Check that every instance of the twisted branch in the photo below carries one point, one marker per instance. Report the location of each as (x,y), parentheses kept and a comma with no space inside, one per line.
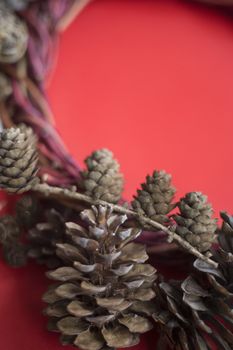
(71,196)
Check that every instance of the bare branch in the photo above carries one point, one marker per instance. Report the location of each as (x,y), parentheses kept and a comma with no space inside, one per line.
(66,194)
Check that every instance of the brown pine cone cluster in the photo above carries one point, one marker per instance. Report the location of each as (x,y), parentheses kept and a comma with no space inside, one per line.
(155,198)
(197,313)
(102,179)
(18,159)
(195,222)
(103,295)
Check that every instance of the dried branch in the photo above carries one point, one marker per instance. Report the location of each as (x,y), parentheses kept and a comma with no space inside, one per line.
(4,115)
(69,195)
(70,15)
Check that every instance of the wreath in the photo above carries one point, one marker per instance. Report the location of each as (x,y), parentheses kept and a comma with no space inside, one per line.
(96,245)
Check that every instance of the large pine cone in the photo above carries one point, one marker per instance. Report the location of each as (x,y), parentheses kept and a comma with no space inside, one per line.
(198,313)
(18,159)
(102,179)
(105,290)
(195,222)
(14,36)
(155,198)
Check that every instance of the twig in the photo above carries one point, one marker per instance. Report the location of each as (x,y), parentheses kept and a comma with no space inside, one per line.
(75,9)
(161,248)
(16,73)
(4,115)
(66,194)
(40,100)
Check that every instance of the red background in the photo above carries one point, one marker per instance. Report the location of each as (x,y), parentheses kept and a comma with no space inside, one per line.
(152,81)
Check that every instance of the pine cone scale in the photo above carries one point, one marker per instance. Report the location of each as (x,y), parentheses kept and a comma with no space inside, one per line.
(120,337)
(89,340)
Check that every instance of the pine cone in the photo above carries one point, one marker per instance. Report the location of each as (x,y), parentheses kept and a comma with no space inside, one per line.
(193,315)
(102,179)
(9,229)
(18,159)
(195,222)
(44,237)
(28,211)
(227,224)
(198,313)
(14,36)
(15,254)
(155,198)
(104,292)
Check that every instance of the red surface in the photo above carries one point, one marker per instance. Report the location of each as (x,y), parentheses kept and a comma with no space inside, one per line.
(152,81)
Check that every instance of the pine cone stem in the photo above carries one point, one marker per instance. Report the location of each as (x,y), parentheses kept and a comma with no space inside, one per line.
(162,248)
(61,193)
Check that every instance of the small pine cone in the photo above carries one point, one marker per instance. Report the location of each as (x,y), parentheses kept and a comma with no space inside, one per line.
(18,159)
(102,179)
(104,292)
(44,237)
(195,222)
(15,254)
(9,229)
(28,211)
(155,198)
(14,36)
